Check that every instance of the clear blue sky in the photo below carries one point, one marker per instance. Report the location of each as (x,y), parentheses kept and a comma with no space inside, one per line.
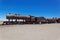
(46,8)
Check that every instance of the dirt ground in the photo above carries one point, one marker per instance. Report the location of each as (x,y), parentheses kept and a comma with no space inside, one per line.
(30,32)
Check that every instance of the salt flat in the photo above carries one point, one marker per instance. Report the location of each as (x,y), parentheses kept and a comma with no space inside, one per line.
(30,32)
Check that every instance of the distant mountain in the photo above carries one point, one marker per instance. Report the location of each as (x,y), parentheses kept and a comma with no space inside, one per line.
(1,22)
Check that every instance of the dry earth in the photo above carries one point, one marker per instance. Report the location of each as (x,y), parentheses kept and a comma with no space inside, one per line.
(30,32)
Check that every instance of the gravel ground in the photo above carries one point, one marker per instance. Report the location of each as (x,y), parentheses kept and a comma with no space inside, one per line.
(30,32)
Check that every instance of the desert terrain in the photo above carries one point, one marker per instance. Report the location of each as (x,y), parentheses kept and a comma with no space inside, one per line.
(30,32)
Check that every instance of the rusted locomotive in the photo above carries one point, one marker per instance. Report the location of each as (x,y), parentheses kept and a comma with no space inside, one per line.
(25,19)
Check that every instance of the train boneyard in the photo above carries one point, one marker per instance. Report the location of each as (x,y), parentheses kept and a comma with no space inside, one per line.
(18,19)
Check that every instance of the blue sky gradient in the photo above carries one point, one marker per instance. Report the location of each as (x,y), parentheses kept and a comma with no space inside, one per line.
(46,8)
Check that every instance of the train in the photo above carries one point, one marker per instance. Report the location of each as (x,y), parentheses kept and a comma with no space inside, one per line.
(19,19)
